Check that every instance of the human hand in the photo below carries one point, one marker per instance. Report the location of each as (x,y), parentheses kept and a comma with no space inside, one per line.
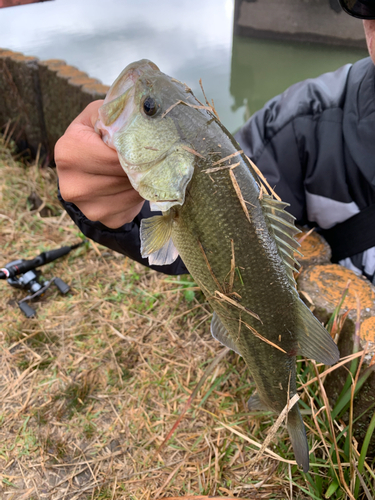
(90,175)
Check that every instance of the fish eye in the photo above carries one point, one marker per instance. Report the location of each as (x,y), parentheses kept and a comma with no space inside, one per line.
(150,106)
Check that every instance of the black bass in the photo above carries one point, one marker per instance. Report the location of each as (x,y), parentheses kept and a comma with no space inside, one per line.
(236,241)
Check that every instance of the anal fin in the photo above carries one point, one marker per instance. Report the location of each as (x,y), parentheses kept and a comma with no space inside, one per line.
(314,341)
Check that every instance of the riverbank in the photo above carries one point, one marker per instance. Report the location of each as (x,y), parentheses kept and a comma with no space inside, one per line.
(298,20)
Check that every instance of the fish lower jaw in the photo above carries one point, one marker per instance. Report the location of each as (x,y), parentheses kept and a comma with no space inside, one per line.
(164,205)
(144,167)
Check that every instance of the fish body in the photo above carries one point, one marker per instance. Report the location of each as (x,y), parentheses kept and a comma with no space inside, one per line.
(236,241)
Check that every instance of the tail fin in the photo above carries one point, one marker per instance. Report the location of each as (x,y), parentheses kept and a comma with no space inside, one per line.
(298,438)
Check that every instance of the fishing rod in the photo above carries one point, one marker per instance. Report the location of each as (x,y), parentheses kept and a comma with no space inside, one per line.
(22,274)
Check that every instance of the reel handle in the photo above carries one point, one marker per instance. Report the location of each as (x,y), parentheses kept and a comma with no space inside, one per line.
(28,311)
(61,285)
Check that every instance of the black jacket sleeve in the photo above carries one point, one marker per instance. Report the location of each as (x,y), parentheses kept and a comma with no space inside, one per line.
(124,240)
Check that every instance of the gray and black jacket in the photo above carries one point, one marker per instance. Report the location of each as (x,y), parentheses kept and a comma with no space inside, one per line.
(315,143)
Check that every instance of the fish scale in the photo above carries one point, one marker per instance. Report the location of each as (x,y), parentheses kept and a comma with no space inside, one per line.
(212,215)
(235,240)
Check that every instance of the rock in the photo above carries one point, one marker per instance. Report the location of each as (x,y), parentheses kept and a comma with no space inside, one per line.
(326,283)
(314,248)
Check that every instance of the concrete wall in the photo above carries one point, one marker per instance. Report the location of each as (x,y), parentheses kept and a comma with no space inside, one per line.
(14,3)
(39,99)
(305,20)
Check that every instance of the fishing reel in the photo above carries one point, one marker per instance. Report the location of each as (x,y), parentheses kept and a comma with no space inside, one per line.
(23,274)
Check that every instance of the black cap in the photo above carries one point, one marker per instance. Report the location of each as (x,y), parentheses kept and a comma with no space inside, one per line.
(361,9)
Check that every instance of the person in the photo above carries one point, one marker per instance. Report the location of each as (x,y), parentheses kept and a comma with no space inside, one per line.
(315,143)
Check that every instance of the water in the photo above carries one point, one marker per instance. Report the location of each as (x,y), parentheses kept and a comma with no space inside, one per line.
(187,39)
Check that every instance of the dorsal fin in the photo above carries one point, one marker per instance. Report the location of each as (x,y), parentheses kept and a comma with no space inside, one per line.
(277,208)
(284,230)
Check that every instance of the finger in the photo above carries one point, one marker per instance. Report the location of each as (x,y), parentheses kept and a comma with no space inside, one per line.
(113,211)
(83,149)
(76,187)
(117,221)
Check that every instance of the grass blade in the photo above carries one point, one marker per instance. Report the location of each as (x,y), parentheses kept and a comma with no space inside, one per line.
(330,421)
(362,458)
(343,405)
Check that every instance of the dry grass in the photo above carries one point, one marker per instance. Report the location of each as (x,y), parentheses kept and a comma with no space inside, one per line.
(92,385)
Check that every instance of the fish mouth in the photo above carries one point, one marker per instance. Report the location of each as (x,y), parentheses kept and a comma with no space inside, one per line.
(128,77)
(116,109)
(166,201)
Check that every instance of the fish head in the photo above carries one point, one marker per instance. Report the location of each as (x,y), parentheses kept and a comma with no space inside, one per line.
(135,121)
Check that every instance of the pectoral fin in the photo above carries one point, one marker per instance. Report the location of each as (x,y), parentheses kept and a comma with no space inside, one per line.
(156,243)
(219,332)
(314,341)
(166,255)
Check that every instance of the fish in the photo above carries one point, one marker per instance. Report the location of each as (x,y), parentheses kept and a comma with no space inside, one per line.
(235,237)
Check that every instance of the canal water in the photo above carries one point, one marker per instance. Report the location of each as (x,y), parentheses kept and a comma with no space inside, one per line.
(187,39)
